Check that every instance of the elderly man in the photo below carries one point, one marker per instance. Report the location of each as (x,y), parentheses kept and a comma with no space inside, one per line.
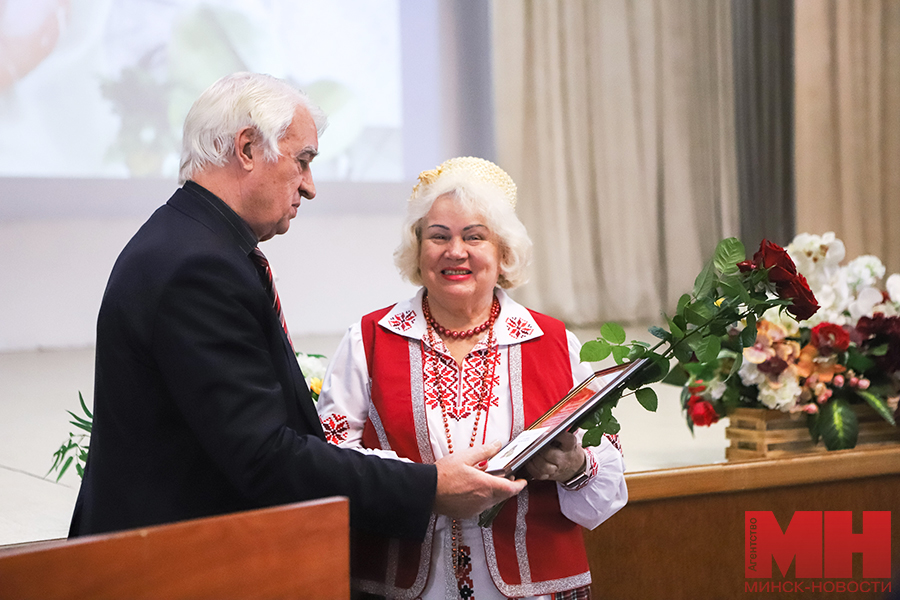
(199,405)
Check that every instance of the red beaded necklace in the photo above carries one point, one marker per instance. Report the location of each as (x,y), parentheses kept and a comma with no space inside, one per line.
(460,335)
(487,380)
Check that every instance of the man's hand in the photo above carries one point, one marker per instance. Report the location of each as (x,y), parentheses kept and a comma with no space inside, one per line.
(559,461)
(464,490)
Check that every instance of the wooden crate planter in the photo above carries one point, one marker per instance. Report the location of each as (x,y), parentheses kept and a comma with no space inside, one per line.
(764,433)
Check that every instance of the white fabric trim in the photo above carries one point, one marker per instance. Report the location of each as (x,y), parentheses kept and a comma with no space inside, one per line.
(514,323)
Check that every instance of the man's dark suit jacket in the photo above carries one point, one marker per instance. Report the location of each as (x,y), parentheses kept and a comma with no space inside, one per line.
(199,405)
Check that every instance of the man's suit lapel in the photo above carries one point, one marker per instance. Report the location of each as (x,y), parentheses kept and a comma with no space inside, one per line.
(298,401)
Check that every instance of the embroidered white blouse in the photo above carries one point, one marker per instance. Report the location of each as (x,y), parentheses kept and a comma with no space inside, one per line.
(344,407)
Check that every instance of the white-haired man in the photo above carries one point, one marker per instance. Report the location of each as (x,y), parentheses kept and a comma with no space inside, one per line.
(199,405)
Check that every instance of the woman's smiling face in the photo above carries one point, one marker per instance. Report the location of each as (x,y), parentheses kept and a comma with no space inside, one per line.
(459,256)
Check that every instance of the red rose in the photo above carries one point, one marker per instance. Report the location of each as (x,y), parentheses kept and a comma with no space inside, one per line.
(702,413)
(777,260)
(829,338)
(804,301)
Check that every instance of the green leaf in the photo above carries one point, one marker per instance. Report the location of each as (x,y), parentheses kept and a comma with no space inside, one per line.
(700,312)
(878,404)
(647,398)
(812,423)
(84,406)
(683,353)
(637,351)
(659,332)
(878,350)
(748,334)
(620,353)
(677,376)
(705,281)
(595,351)
(86,427)
(656,371)
(706,348)
(735,366)
(732,286)
(838,425)
(857,361)
(592,437)
(611,426)
(683,301)
(677,332)
(729,252)
(65,466)
(613,332)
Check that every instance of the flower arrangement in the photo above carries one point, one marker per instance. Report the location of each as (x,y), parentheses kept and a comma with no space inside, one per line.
(820,365)
(752,333)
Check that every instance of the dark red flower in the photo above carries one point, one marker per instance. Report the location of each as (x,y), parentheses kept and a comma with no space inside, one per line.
(879,330)
(804,301)
(702,412)
(746,265)
(774,366)
(777,260)
(829,339)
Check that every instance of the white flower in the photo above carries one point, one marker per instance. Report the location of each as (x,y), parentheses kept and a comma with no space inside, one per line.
(865,303)
(864,271)
(816,257)
(312,365)
(892,285)
(784,395)
(784,319)
(750,375)
(834,297)
(717,389)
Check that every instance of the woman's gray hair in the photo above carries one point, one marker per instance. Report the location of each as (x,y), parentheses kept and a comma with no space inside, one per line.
(471,192)
(265,103)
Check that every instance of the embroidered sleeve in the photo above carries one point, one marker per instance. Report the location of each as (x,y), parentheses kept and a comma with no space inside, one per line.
(345,398)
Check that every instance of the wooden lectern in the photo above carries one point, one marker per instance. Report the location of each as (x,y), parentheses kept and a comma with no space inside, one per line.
(294,551)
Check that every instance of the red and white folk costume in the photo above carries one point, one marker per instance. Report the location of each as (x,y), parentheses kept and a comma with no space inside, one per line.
(534,547)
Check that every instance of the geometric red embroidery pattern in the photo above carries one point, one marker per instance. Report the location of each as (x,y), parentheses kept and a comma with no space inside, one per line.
(403,321)
(591,469)
(614,440)
(582,593)
(464,582)
(518,328)
(336,429)
(462,386)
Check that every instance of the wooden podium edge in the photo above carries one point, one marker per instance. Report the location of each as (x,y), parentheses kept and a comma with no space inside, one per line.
(837,465)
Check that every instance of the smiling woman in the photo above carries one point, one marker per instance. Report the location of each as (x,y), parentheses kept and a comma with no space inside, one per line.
(459,365)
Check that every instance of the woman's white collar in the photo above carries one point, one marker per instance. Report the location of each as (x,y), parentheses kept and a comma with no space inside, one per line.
(514,324)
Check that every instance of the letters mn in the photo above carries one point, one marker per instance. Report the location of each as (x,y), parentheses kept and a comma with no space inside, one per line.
(821,543)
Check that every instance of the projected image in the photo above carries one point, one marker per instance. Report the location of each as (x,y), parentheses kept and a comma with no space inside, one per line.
(100,88)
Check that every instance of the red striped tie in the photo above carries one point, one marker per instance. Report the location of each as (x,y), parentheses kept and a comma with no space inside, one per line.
(265,271)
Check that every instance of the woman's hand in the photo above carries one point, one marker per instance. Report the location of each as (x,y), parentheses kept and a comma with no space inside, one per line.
(559,461)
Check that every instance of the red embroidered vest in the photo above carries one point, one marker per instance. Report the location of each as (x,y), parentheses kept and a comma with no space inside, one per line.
(549,556)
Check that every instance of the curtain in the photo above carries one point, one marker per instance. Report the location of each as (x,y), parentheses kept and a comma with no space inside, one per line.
(616,120)
(847,120)
(763,33)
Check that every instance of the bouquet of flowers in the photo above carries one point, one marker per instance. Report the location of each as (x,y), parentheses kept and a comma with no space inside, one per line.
(846,353)
(752,334)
